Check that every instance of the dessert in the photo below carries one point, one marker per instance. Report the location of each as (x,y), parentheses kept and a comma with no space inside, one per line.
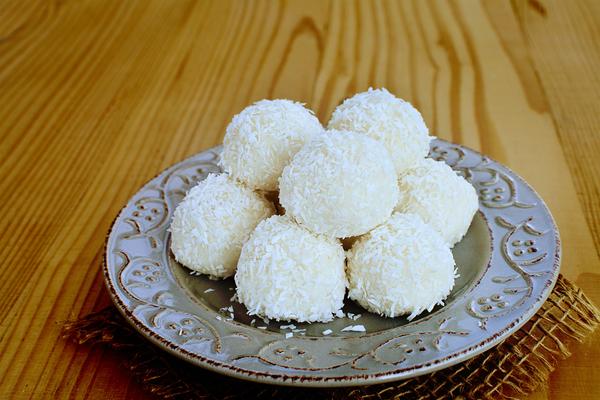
(287,272)
(212,223)
(440,197)
(388,119)
(341,184)
(365,186)
(401,267)
(261,140)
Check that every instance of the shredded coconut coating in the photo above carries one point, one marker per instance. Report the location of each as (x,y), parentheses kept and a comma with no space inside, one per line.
(388,119)
(440,197)
(212,223)
(401,267)
(261,140)
(341,184)
(286,272)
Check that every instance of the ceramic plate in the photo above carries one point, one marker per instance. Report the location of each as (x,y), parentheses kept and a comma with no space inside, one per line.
(508,263)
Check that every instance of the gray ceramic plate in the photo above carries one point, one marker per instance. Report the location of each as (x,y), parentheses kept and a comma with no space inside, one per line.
(508,263)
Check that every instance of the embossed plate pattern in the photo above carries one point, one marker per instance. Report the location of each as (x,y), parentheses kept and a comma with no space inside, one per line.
(508,262)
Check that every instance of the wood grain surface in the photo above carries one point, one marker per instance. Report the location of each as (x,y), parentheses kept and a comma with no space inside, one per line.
(98,96)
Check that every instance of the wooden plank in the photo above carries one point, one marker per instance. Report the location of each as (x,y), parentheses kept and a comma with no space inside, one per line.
(559,39)
(562,40)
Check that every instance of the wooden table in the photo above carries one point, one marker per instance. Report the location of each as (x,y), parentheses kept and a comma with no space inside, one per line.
(97,96)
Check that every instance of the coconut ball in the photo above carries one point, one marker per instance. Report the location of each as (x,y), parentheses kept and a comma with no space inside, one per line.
(262,139)
(440,197)
(388,119)
(401,267)
(341,184)
(212,223)
(287,272)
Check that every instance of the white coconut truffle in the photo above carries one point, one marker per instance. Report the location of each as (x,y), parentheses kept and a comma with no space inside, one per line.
(212,223)
(388,119)
(286,272)
(401,267)
(341,184)
(440,197)
(261,140)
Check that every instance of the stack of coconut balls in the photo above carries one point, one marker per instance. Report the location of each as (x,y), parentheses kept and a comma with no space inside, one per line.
(365,181)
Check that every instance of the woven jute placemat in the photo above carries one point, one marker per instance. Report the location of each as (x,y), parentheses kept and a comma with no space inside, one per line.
(511,370)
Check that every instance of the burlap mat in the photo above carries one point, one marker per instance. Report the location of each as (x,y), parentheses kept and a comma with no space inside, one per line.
(511,370)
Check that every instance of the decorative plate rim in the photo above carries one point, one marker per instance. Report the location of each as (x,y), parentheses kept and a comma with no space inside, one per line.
(298,379)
